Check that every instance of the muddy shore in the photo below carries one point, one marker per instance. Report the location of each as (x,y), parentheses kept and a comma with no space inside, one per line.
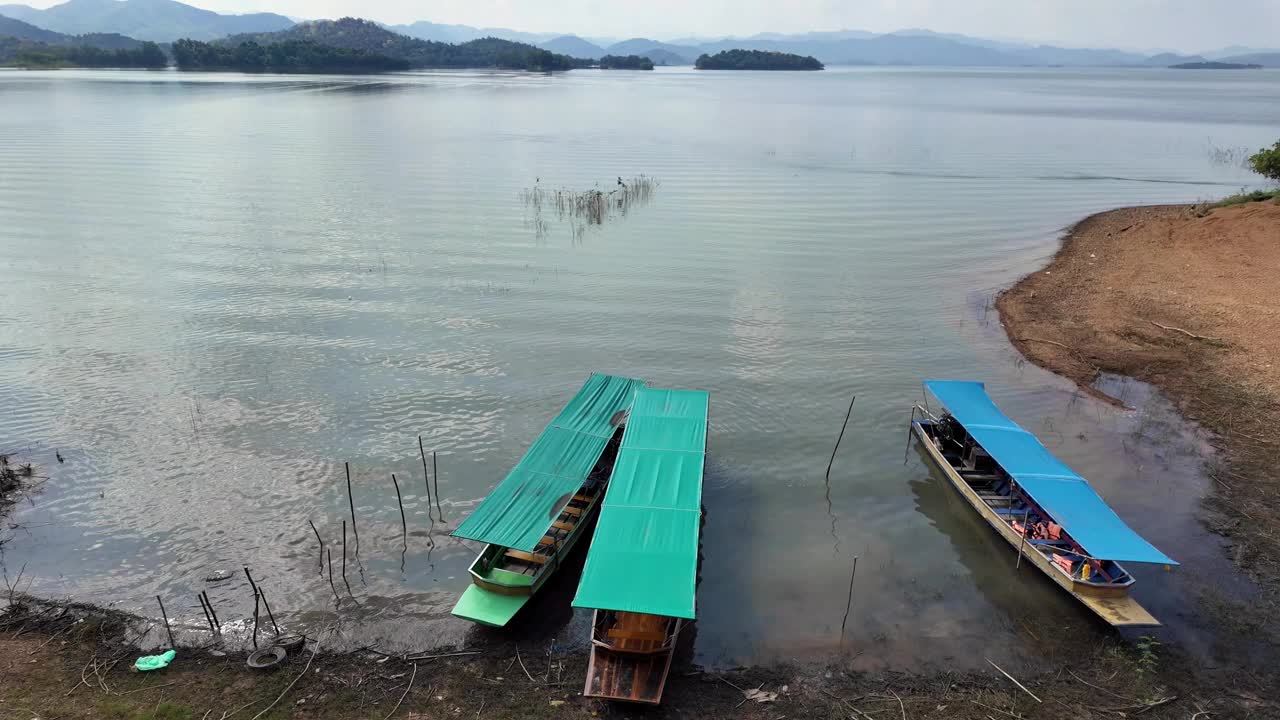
(1177,296)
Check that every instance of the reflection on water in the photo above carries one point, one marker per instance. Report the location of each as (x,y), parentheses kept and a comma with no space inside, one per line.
(220,288)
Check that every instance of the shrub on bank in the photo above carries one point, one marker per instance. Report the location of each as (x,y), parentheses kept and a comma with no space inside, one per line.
(1267,162)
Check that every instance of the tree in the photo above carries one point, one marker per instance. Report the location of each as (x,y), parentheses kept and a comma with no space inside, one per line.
(1267,162)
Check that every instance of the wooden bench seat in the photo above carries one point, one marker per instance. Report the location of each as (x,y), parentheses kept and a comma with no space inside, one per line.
(527,557)
(568,527)
(574,511)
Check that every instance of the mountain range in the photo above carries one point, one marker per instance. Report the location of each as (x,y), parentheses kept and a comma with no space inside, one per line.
(157,20)
(168,20)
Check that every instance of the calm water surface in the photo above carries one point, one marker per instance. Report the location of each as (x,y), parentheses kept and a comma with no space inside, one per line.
(219,288)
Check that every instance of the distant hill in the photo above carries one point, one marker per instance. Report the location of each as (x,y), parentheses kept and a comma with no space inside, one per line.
(573,46)
(666,57)
(1167,59)
(645,47)
(1267,60)
(28,32)
(438,32)
(158,20)
(370,37)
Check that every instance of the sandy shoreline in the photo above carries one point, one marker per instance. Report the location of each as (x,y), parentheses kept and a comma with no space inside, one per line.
(1184,298)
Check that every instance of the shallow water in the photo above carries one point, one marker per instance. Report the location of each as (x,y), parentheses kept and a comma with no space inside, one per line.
(219,288)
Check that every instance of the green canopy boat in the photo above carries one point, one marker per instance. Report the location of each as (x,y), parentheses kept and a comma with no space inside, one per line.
(533,518)
(641,571)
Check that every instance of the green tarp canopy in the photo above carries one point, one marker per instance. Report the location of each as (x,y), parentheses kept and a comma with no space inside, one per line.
(644,556)
(520,510)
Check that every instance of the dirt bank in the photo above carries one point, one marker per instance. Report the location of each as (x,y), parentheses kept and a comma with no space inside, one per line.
(66,662)
(1188,299)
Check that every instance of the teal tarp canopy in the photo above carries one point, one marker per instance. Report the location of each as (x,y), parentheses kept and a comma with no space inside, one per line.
(520,510)
(1062,492)
(644,556)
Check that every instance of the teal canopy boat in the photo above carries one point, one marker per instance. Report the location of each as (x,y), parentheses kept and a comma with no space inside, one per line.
(536,515)
(1049,512)
(641,571)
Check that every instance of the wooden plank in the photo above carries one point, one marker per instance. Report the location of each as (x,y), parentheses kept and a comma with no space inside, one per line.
(527,557)
(574,511)
(564,525)
(583,498)
(621,634)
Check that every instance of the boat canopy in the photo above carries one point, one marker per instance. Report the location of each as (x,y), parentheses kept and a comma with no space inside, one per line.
(644,557)
(1062,492)
(520,510)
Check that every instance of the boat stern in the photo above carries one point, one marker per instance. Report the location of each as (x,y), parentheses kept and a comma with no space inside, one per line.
(488,608)
(1120,611)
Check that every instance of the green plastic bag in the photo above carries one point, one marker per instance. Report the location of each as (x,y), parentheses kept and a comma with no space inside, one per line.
(154,662)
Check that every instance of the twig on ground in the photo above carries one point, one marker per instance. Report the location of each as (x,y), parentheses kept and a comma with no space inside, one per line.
(1002,712)
(445,655)
(413,675)
(900,705)
(1095,687)
(1139,708)
(1015,681)
(1184,332)
(522,667)
(152,687)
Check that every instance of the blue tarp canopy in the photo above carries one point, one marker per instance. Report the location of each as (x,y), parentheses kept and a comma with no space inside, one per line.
(1062,492)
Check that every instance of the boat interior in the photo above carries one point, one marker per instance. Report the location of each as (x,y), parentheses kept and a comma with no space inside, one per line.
(630,656)
(636,633)
(1016,509)
(528,566)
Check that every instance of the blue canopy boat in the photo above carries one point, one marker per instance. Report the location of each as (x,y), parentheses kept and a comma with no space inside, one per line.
(1039,505)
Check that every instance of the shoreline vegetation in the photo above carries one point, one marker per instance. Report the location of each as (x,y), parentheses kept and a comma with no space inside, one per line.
(629,62)
(756,60)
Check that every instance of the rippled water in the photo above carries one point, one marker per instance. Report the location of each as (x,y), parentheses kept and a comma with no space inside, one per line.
(219,288)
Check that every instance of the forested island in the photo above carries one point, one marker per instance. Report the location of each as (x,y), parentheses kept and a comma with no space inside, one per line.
(1215,66)
(756,60)
(30,54)
(368,37)
(629,62)
(300,56)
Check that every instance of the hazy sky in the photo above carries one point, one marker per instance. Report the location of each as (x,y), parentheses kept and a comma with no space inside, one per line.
(1181,24)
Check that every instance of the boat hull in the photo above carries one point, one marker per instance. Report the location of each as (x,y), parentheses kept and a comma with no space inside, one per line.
(495,603)
(633,677)
(1111,603)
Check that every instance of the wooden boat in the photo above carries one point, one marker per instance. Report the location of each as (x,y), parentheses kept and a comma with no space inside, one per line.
(640,577)
(533,519)
(1000,469)
(630,655)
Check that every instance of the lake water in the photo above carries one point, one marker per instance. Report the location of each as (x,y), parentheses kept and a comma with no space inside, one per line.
(218,288)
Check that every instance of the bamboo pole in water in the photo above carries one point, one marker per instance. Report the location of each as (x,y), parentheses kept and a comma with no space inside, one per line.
(167,629)
(352,504)
(435,474)
(317,532)
(426,478)
(404,527)
(841,437)
(209,601)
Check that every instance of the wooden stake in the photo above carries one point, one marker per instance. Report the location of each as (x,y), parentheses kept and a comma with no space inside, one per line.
(270,616)
(344,559)
(207,617)
(404,527)
(331,585)
(209,601)
(352,504)
(848,602)
(255,619)
(317,532)
(163,614)
(435,476)
(838,439)
(426,478)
